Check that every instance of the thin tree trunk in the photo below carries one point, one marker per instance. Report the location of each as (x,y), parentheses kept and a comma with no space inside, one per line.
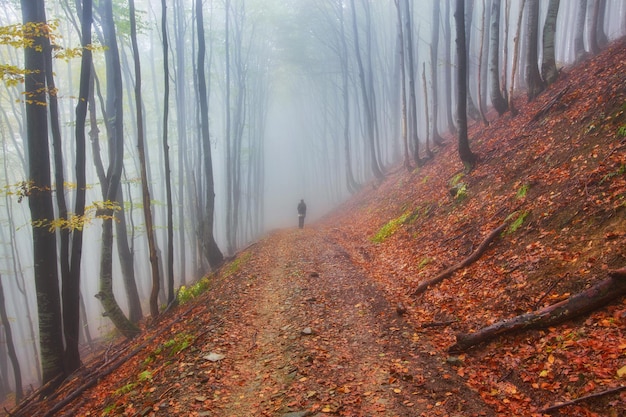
(19,393)
(549,72)
(412,99)
(465,153)
(367,104)
(211,250)
(111,187)
(579,38)
(534,83)
(405,144)
(166,156)
(494,60)
(147,210)
(40,202)
(515,58)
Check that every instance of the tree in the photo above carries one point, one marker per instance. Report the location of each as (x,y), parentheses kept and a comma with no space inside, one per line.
(39,190)
(166,155)
(597,37)
(515,60)
(407,161)
(147,210)
(11,346)
(367,100)
(351,183)
(534,83)
(411,73)
(579,39)
(111,189)
(465,153)
(71,282)
(434,59)
(549,72)
(210,249)
(498,101)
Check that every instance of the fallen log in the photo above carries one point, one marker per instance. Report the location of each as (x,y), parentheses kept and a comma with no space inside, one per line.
(584,302)
(465,262)
(555,407)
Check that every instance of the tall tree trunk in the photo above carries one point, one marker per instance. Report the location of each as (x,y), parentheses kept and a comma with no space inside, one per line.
(11,346)
(465,153)
(71,283)
(367,103)
(429,153)
(516,43)
(68,284)
(498,101)
(405,144)
(351,183)
(549,72)
(210,249)
(166,156)
(434,59)
(411,72)
(449,77)
(579,37)
(147,205)
(534,82)
(111,187)
(481,48)
(181,128)
(38,190)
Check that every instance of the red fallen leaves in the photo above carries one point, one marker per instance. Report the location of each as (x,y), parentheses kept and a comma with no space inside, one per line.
(574,233)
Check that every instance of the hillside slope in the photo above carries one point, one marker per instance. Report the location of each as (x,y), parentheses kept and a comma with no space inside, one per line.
(560,167)
(305,322)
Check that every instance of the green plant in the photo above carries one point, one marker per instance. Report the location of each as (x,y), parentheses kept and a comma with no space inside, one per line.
(108,409)
(187,293)
(522,191)
(235,265)
(456,179)
(461,191)
(620,171)
(126,388)
(518,222)
(424,262)
(145,376)
(391,227)
(621,130)
(179,343)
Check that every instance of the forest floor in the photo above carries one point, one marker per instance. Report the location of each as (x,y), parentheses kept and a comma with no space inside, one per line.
(323,321)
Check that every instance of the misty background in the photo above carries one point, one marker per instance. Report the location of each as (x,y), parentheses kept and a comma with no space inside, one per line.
(291,74)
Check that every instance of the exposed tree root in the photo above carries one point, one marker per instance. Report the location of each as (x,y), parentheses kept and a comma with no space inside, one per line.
(474,256)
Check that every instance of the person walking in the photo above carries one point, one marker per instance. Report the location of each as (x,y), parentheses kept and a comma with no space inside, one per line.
(301,213)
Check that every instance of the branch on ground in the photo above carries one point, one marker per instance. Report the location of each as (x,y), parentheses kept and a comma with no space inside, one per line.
(584,302)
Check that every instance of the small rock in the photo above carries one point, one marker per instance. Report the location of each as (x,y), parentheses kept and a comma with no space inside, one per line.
(307,331)
(214,357)
(314,274)
(400,309)
(454,361)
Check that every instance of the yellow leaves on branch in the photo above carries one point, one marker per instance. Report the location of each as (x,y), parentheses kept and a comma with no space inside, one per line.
(100,209)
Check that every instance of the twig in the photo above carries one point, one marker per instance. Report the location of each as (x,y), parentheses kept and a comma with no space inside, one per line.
(545,294)
(581,399)
(470,259)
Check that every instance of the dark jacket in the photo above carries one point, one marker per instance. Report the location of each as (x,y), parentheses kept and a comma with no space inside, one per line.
(302,208)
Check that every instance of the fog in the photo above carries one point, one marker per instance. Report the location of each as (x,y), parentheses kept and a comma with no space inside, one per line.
(284,112)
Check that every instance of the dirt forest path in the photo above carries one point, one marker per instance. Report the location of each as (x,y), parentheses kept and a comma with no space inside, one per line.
(306,333)
(290,327)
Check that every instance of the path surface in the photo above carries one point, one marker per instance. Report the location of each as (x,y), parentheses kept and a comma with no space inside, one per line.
(290,328)
(305,333)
